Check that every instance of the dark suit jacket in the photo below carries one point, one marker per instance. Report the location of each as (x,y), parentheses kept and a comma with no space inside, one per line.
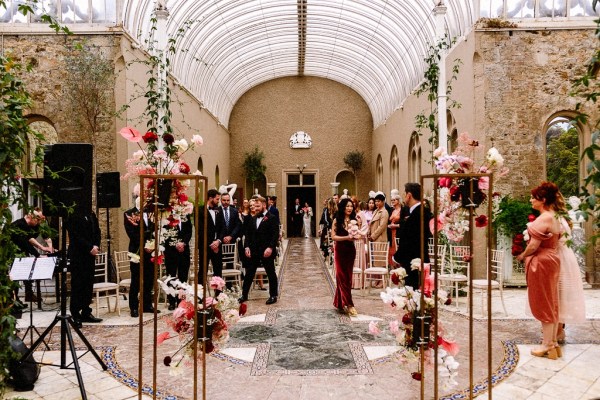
(84,234)
(266,235)
(133,231)
(234,229)
(183,234)
(273,210)
(410,237)
(214,229)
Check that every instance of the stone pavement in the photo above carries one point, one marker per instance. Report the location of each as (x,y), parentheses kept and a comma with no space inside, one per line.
(300,348)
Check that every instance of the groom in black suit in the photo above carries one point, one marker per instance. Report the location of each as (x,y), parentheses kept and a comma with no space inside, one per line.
(177,252)
(409,234)
(261,248)
(214,231)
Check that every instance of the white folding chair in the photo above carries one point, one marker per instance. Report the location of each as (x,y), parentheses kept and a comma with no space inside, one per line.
(123,272)
(441,256)
(378,269)
(102,285)
(456,271)
(231,267)
(359,263)
(481,285)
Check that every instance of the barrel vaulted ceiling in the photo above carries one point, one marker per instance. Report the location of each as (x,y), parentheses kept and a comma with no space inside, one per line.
(375,47)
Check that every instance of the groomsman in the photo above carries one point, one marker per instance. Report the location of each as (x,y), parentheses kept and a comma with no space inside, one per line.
(261,248)
(230,221)
(272,208)
(214,229)
(177,252)
(409,234)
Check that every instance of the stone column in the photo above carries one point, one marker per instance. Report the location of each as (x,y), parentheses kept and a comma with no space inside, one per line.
(271,189)
(334,187)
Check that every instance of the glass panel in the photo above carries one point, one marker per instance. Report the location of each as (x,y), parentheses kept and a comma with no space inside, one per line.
(294,179)
(45,7)
(16,15)
(553,8)
(582,8)
(308,179)
(520,8)
(6,13)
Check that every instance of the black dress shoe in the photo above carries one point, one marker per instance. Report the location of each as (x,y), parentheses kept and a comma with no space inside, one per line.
(77,323)
(151,311)
(90,318)
(272,300)
(242,299)
(172,307)
(135,313)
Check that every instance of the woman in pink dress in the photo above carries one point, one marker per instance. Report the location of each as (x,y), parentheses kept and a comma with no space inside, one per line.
(542,267)
(394,224)
(343,255)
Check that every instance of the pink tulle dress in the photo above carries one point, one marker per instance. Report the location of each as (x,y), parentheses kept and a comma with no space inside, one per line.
(571,307)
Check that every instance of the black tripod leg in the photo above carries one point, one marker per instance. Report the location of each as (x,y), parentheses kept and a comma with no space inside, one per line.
(39,340)
(74,355)
(87,344)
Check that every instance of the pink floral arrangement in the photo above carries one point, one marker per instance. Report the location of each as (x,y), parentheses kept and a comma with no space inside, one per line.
(456,196)
(407,303)
(221,313)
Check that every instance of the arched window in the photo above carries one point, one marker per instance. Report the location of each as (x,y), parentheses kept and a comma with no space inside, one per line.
(200,165)
(414,158)
(347,181)
(379,172)
(563,153)
(217,179)
(394,168)
(452,133)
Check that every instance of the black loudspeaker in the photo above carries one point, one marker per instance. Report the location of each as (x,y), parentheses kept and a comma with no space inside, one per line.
(108,190)
(69,184)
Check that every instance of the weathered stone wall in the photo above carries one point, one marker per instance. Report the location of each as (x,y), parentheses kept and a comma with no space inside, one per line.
(335,116)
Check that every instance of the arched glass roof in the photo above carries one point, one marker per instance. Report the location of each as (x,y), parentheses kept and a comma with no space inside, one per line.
(376,47)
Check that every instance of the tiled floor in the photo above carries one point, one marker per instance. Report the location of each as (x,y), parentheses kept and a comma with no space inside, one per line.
(575,376)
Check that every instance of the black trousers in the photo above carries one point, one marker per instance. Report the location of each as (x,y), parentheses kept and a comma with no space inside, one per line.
(134,290)
(82,287)
(269,265)
(177,265)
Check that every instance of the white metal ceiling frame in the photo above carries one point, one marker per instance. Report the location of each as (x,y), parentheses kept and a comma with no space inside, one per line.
(375,47)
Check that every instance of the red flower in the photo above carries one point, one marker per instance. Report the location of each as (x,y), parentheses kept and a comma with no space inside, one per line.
(416,376)
(182,197)
(481,221)
(445,182)
(519,238)
(395,279)
(150,137)
(184,168)
(467,258)
(516,250)
(162,337)
(209,346)
(448,301)
(454,193)
(407,319)
(160,260)
(167,361)
(243,309)
(531,217)
(168,138)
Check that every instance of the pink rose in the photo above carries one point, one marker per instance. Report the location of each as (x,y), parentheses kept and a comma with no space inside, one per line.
(484,183)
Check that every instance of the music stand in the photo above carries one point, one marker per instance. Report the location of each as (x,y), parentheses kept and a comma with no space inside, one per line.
(66,323)
(32,269)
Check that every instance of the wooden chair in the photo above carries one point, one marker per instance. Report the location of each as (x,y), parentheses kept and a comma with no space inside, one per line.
(456,271)
(231,266)
(103,286)
(481,285)
(378,269)
(123,272)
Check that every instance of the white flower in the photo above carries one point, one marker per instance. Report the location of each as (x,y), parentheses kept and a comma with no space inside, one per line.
(197,172)
(138,155)
(440,152)
(574,202)
(494,158)
(197,140)
(415,264)
(134,258)
(181,144)
(401,272)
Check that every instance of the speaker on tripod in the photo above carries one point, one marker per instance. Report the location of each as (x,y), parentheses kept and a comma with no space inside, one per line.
(108,195)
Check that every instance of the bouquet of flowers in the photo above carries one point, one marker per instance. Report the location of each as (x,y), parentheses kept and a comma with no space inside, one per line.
(353,229)
(220,313)
(456,196)
(407,329)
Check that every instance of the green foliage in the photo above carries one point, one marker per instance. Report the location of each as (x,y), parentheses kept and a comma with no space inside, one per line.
(587,87)
(511,217)
(253,165)
(428,121)
(355,160)
(562,160)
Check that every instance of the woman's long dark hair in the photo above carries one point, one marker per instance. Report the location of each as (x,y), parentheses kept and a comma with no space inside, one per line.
(341,212)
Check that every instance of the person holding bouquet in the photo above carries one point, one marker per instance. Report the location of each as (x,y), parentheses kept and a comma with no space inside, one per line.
(542,267)
(343,233)
(307,213)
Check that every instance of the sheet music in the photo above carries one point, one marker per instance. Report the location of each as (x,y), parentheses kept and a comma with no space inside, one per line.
(43,268)
(21,268)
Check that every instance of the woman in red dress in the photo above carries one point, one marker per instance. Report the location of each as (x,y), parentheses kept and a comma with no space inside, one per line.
(344,254)
(542,268)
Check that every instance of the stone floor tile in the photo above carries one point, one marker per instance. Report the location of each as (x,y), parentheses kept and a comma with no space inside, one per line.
(566,390)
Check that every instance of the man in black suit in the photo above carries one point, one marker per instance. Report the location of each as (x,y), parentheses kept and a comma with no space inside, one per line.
(131,220)
(409,233)
(272,208)
(177,251)
(261,248)
(214,230)
(84,245)
(230,221)
(296,212)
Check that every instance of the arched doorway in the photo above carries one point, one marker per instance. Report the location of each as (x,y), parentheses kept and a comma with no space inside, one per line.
(347,181)
(301,186)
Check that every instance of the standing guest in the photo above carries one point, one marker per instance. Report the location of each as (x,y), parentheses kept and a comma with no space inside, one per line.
(234,203)
(344,254)
(571,306)
(361,245)
(307,214)
(273,208)
(214,229)
(379,222)
(131,220)
(370,209)
(336,199)
(177,252)
(394,223)
(324,223)
(409,234)
(542,267)
(24,234)
(296,218)
(261,249)
(230,221)
(84,245)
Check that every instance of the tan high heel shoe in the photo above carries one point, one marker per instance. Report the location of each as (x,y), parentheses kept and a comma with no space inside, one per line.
(352,312)
(548,352)
(559,352)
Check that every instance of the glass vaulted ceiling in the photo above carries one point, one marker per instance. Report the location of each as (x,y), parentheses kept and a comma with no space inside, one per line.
(376,47)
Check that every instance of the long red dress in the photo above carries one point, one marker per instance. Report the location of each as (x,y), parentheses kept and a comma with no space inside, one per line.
(542,270)
(344,254)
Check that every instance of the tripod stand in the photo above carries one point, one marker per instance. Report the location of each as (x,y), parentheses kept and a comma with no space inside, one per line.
(66,323)
(31,328)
